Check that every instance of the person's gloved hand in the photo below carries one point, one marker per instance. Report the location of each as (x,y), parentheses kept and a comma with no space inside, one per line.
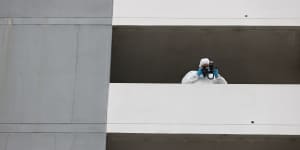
(216,73)
(200,72)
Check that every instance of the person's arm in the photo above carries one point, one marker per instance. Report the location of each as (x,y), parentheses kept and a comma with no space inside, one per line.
(220,80)
(190,77)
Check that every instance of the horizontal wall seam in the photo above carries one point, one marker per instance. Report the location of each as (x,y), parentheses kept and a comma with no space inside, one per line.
(60,132)
(56,123)
(55,21)
(52,128)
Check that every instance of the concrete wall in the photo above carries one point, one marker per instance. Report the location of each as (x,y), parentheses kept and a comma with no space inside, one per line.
(54,74)
(202,12)
(55,8)
(204,109)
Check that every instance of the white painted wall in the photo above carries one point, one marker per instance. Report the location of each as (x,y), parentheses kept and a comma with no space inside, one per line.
(204,109)
(203,12)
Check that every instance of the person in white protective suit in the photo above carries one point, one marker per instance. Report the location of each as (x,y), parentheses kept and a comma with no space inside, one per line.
(206,74)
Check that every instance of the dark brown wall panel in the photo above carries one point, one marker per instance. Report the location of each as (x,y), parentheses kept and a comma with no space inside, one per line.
(201,142)
(244,55)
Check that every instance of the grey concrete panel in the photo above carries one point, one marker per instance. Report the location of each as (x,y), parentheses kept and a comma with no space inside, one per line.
(37,73)
(80,141)
(3,141)
(44,69)
(4,31)
(52,141)
(92,74)
(52,128)
(54,74)
(30,141)
(41,76)
(56,8)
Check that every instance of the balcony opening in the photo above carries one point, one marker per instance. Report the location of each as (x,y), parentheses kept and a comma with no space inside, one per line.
(244,55)
(195,142)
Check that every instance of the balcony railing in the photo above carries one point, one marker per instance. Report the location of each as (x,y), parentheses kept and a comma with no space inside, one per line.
(207,109)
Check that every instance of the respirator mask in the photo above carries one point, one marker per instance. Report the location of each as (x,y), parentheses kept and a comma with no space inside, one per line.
(208,71)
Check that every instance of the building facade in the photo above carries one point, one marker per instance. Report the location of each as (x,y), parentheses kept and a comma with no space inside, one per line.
(54,74)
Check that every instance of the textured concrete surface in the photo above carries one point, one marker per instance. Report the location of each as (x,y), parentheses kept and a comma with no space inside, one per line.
(54,74)
(54,80)
(55,8)
(46,68)
(51,141)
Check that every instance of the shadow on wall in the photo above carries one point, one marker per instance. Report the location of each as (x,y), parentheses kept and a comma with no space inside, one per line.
(244,55)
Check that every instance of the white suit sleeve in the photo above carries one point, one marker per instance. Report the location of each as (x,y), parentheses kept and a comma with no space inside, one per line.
(220,80)
(190,77)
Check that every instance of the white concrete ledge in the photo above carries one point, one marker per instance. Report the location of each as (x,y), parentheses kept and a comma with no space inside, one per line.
(208,13)
(144,21)
(204,129)
(207,109)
